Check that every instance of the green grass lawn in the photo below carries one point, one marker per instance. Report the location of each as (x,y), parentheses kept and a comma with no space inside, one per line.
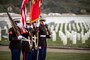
(4,42)
(67,56)
(54,56)
(4,55)
(59,43)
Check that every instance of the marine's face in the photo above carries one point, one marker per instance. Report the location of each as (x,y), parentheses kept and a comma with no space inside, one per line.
(41,22)
(35,24)
(17,22)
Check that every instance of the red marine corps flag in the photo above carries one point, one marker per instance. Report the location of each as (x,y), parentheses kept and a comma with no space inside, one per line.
(35,10)
(24,12)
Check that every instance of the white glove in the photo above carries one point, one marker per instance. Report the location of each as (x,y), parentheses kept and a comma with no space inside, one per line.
(31,26)
(37,25)
(20,37)
(28,26)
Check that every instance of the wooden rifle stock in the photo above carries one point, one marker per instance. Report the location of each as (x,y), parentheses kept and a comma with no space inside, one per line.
(13,24)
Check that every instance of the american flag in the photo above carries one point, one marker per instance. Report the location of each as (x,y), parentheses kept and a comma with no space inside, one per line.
(23,15)
(24,12)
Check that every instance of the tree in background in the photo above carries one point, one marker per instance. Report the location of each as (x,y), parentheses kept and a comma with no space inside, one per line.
(52,6)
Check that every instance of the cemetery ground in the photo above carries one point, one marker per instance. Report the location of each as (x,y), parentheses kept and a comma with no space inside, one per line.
(58,43)
(53,54)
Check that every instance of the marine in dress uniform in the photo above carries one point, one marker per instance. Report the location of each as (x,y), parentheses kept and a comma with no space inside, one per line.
(42,43)
(27,46)
(33,31)
(34,35)
(15,44)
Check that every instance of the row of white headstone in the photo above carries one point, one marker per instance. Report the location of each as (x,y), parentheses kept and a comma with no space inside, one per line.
(75,27)
(6,31)
(71,34)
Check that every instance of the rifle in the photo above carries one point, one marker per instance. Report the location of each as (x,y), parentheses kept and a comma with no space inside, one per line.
(13,24)
(16,28)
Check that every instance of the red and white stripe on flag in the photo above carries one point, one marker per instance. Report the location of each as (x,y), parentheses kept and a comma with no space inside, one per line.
(24,12)
(23,15)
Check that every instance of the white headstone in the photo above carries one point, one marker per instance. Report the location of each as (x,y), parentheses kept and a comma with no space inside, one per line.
(71,36)
(52,28)
(78,36)
(65,26)
(64,40)
(68,34)
(73,26)
(82,28)
(61,27)
(6,29)
(86,36)
(74,39)
(49,26)
(85,26)
(53,35)
(63,37)
(0,33)
(56,28)
(82,32)
(89,25)
(78,28)
(83,39)
(61,34)
(89,33)
(69,27)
